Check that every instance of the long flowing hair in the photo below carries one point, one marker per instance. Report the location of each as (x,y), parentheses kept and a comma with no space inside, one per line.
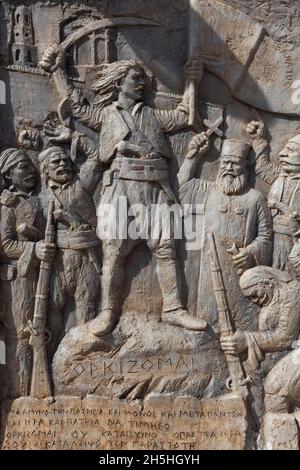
(110,78)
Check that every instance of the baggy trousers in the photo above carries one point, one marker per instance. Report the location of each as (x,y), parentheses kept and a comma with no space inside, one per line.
(116,248)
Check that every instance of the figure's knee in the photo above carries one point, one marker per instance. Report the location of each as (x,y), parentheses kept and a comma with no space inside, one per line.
(55,323)
(276,403)
(275,400)
(279,387)
(114,253)
(163,249)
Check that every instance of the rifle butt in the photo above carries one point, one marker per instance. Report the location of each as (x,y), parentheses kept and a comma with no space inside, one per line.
(40,383)
(238,379)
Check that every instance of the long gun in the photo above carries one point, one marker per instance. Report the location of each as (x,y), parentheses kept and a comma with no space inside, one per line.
(40,383)
(238,381)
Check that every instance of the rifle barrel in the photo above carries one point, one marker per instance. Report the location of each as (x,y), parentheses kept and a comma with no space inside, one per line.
(237,374)
(40,383)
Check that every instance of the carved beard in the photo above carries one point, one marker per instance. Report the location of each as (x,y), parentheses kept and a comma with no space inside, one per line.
(60,176)
(231,185)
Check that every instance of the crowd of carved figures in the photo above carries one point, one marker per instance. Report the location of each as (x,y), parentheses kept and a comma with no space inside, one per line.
(257,239)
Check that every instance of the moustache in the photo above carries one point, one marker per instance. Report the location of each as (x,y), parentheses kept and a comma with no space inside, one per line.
(61,171)
(293,161)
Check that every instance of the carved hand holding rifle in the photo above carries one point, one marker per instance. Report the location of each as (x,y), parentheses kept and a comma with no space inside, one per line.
(277,295)
(41,384)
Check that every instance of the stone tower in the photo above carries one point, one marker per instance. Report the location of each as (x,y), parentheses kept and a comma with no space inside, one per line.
(23,49)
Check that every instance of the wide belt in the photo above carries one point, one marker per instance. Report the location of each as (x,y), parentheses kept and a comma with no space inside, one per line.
(140,170)
(77,240)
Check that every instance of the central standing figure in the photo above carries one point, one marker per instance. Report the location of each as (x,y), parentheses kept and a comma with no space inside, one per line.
(133,147)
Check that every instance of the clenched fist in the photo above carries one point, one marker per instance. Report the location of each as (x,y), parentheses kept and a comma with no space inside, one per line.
(45,251)
(256,131)
(57,134)
(198,145)
(234,344)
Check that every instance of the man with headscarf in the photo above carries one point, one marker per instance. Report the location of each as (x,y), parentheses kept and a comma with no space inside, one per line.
(238,217)
(22,234)
(134,149)
(76,267)
(284,195)
(277,294)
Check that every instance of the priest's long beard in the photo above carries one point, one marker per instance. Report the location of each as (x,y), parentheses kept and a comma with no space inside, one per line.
(231,185)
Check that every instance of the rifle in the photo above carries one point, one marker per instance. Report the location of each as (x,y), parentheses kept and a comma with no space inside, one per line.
(238,380)
(40,384)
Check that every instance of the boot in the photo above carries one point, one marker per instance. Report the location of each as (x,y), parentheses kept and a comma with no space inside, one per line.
(174,313)
(112,280)
(103,323)
(183,319)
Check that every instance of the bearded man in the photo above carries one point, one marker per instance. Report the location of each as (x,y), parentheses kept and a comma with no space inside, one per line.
(239,218)
(284,195)
(76,267)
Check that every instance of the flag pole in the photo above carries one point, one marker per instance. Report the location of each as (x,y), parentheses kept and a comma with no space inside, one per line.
(194,39)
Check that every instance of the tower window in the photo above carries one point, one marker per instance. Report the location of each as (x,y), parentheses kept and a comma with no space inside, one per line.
(26,19)
(18,18)
(29,56)
(17,55)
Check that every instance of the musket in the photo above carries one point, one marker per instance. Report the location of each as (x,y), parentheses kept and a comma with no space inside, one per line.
(238,380)
(40,383)
(212,128)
